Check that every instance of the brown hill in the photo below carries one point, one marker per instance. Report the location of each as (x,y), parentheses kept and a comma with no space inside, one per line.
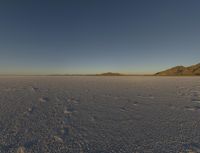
(193,70)
(110,74)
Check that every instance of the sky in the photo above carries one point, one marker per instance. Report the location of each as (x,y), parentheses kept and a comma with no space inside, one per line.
(96,36)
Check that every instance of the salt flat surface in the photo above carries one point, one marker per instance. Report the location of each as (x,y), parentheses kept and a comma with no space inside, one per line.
(99,114)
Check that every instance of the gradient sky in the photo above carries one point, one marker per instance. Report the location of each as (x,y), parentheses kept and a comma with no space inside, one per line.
(94,36)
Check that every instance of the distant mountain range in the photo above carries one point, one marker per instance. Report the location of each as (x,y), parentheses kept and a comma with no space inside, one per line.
(193,70)
(110,74)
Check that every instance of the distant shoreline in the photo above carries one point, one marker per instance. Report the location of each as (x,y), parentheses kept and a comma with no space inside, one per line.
(75,75)
(2,75)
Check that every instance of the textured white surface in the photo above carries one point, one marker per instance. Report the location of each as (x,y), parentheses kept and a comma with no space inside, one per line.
(99,114)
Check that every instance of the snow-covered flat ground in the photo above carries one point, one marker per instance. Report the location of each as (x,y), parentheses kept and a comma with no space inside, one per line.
(90,114)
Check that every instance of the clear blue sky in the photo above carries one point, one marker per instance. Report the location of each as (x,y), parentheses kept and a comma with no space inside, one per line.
(94,36)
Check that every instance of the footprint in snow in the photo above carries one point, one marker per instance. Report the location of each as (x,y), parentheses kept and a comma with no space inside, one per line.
(72,100)
(44,99)
(193,108)
(67,111)
(35,89)
(196,100)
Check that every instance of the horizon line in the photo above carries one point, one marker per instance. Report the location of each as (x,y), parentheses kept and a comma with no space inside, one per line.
(89,74)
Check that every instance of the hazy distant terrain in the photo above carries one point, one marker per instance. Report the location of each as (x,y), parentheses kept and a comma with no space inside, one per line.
(89,114)
(110,74)
(181,71)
